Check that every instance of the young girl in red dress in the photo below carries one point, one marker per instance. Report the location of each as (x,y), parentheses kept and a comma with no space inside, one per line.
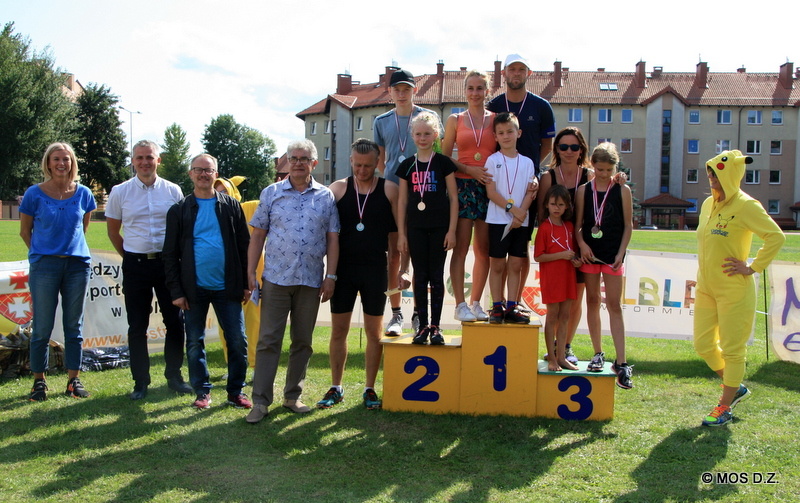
(554,250)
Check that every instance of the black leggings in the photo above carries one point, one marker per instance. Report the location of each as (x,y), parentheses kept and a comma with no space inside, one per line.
(428,255)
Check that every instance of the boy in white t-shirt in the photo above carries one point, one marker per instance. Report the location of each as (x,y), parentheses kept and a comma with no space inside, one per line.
(511,192)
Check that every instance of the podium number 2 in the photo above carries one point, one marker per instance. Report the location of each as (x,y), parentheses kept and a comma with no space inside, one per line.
(414,391)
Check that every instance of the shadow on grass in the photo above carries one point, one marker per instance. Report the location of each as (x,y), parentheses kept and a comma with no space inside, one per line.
(342,454)
(674,468)
(779,374)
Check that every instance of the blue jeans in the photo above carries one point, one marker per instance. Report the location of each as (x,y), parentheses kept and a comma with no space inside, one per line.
(231,320)
(49,277)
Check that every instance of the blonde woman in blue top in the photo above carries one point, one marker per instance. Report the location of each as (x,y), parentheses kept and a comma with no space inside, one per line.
(54,216)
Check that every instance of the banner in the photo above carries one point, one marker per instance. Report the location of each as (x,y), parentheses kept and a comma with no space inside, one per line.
(784,310)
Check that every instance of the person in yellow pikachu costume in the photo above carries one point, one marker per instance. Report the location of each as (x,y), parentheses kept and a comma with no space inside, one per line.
(725,299)
(252,312)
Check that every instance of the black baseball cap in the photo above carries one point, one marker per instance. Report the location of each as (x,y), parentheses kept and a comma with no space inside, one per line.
(402,77)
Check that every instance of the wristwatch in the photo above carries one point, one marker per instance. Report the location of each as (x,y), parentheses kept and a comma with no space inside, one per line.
(332,276)
(509,206)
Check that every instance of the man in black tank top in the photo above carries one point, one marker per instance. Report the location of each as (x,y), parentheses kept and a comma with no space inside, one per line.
(367,205)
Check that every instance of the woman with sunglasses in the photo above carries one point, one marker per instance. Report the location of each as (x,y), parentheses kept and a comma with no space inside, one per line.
(569,168)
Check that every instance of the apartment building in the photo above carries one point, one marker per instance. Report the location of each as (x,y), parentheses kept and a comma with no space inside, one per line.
(666,125)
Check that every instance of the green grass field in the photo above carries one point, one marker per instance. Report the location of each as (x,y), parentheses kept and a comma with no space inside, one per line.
(108,448)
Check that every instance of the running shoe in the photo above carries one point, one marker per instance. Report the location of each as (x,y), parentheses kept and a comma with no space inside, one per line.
(436,336)
(464,313)
(516,315)
(597,362)
(395,326)
(39,391)
(203,401)
(741,394)
(624,373)
(75,389)
(415,322)
(331,398)
(477,310)
(240,401)
(497,315)
(719,416)
(422,336)
(371,400)
(570,355)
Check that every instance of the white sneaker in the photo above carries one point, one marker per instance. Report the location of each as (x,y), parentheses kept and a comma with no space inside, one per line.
(463,313)
(395,326)
(415,322)
(478,311)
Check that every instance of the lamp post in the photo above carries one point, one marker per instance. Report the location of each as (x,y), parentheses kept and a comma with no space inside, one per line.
(130,123)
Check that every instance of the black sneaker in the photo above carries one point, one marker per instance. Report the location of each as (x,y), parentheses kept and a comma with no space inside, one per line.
(75,389)
(624,373)
(597,362)
(497,314)
(422,336)
(436,336)
(515,315)
(39,391)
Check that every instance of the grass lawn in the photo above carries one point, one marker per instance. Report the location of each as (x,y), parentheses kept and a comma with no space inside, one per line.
(108,448)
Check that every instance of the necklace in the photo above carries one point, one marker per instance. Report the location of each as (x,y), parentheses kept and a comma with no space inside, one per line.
(478,139)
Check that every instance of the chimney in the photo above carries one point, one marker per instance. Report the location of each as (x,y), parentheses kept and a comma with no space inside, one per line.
(558,80)
(657,71)
(785,75)
(497,72)
(742,69)
(640,79)
(463,68)
(387,77)
(601,70)
(344,83)
(440,67)
(701,77)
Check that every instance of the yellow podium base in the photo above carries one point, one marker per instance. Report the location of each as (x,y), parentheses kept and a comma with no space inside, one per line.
(491,370)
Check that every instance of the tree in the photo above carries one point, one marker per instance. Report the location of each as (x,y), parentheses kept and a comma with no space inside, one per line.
(243,151)
(34,112)
(175,158)
(100,144)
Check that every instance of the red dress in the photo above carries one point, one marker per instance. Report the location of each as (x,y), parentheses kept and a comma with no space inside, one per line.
(556,278)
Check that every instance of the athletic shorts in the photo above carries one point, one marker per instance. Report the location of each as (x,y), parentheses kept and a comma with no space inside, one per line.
(472,199)
(515,243)
(602,268)
(369,281)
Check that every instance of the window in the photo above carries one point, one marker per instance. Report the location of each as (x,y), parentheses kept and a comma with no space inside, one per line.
(722,146)
(604,115)
(752,177)
(694,116)
(457,110)
(693,209)
(359,124)
(327,127)
(777,117)
(603,140)
(723,116)
(608,86)
(327,153)
(691,175)
(754,117)
(774,206)
(774,176)
(775,147)
(626,116)
(753,147)
(313,128)
(693,147)
(626,145)
(575,115)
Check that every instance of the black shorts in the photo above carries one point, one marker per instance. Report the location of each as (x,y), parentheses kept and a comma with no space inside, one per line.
(369,281)
(515,243)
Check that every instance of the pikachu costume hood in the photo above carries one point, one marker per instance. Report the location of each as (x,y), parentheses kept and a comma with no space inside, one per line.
(231,185)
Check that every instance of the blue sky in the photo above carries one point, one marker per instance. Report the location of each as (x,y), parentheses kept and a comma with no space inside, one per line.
(190,61)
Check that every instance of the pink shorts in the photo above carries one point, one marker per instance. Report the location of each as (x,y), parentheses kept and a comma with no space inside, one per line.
(602,268)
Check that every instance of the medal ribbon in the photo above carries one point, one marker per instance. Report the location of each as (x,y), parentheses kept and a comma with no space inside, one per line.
(421,186)
(510,185)
(358,198)
(402,138)
(598,212)
(557,240)
(478,139)
(508,108)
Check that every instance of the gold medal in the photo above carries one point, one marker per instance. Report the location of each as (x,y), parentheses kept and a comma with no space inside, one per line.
(477,156)
(421,206)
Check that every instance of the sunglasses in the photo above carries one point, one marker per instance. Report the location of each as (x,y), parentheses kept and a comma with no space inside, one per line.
(565,146)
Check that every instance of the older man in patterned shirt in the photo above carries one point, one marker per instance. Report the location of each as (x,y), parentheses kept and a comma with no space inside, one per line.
(300,223)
